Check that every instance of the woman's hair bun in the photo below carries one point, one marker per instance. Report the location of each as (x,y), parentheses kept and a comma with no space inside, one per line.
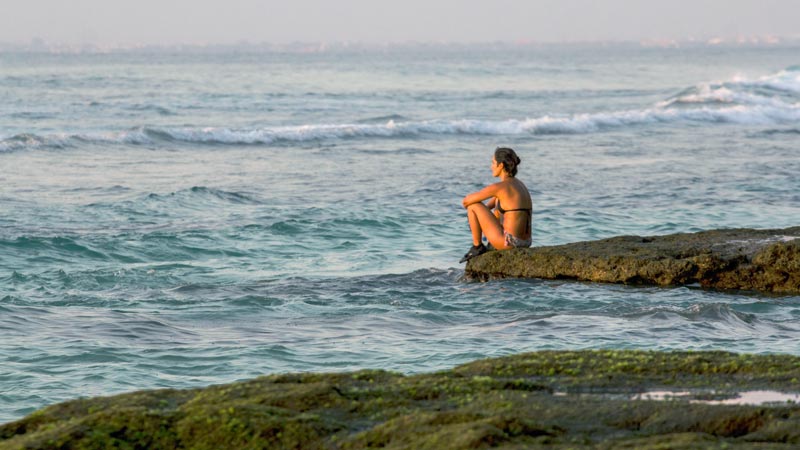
(508,158)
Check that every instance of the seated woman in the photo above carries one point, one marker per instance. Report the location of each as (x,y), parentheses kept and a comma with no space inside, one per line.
(510,225)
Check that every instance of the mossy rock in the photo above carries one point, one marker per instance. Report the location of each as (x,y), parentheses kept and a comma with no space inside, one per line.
(740,259)
(548,399)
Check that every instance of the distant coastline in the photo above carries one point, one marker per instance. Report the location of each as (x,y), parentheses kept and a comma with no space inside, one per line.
(39,45)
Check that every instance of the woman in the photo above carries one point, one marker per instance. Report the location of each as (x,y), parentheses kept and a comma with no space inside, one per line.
(510,225)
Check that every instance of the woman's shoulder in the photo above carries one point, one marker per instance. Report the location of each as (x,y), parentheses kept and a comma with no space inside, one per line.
(516,183)
(520,189)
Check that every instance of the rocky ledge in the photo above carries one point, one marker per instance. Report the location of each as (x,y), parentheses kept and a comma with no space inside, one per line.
(549,399)
(747,259)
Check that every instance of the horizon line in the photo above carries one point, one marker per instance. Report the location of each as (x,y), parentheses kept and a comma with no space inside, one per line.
(38,44)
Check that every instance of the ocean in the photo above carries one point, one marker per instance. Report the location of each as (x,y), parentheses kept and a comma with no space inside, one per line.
(180,218)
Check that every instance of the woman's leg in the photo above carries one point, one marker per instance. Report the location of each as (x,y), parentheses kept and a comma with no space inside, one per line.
(483,222)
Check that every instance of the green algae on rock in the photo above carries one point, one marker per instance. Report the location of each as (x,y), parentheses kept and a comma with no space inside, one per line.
(747,259)
(533,400)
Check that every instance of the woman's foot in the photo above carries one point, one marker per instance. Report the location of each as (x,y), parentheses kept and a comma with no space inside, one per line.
(474,251)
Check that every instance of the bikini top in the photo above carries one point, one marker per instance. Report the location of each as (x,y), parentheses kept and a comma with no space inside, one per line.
(503,211)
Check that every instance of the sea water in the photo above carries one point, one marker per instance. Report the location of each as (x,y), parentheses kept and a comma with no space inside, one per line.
(179,218)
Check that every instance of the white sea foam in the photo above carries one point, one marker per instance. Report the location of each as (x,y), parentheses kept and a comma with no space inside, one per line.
(738,100)
(712,94)
(785,80)
(742,90)
(705,93)
(574,124)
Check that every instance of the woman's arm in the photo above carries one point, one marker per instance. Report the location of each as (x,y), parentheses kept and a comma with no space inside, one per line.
(487,192)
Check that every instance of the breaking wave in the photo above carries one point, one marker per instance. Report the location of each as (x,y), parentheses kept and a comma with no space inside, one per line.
(768,100)
(576,124)
(787,80)
(778,90)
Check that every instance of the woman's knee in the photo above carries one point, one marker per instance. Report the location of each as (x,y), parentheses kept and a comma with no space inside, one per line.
(476,207)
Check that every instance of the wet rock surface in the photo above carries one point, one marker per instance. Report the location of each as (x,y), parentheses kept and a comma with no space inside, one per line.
(548,399)
(746,259)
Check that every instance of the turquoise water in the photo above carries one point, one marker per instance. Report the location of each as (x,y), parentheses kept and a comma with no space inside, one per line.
(178,219)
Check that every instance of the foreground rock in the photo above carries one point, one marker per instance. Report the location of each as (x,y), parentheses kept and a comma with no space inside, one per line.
(538,400)
(763,260)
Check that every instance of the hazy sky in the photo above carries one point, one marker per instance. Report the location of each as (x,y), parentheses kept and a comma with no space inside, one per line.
(376,21)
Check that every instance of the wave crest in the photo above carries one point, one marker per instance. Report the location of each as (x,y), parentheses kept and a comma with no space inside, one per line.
(575,124)
(776,90)
(739,101)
